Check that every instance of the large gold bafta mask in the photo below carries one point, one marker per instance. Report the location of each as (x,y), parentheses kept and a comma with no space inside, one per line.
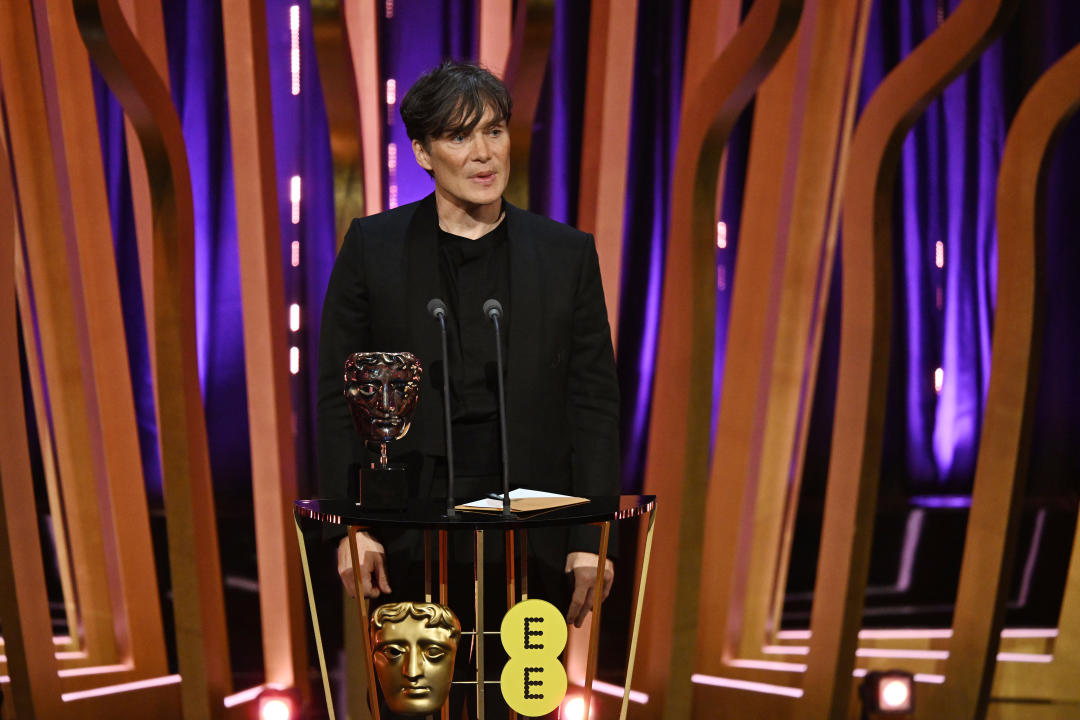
(383,389)
(414,644)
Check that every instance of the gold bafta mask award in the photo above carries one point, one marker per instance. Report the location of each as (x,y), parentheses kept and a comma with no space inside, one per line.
(382,390)
(413,646)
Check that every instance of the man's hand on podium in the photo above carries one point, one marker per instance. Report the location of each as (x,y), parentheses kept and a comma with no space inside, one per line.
(373,578)
(583,566)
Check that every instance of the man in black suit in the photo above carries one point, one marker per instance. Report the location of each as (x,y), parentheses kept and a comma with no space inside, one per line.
(465,244)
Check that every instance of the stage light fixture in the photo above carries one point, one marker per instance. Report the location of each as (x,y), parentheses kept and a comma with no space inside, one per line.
(278,704)
(891,692)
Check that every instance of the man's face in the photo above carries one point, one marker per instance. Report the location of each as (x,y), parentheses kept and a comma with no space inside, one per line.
(415,665)
(383,390)
(470,170)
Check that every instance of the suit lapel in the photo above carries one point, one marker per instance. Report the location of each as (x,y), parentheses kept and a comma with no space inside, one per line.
(526,332)
(422,280)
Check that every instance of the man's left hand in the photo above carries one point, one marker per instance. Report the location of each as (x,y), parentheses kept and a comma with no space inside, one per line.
(581,603)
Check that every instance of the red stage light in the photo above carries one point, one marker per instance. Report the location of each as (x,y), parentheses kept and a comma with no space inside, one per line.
(275,709)
(894,694)
(275,704)
(573,708)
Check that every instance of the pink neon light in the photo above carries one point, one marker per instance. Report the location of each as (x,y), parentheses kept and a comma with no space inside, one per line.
(4,679)
(294,47)
(793,635)
(923,634)
(902,653)
(1029,633)
(294,197)
(1024,657)
(907,634)
(95,670)
(767,665)
(294,317)
(759,687)
(636,696)
(295,252)
(250,694)
(70,654)
(785,649)
(123,687)
(929,678)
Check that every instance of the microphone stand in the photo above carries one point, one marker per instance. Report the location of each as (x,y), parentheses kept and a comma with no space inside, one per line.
(437,309)
(493,310)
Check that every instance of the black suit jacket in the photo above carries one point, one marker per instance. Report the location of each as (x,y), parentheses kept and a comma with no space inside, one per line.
(562,393)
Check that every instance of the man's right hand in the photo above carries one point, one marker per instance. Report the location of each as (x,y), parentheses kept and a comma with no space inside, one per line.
(373,578)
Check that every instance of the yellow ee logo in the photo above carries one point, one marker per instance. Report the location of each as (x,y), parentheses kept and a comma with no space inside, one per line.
(533,633)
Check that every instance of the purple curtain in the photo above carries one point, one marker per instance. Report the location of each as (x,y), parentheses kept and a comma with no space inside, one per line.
(414,38)
(945,259)
(196,66)
(654,129)
(555,153)
(308,246)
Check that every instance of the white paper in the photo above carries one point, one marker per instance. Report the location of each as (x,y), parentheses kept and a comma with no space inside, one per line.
(496,503)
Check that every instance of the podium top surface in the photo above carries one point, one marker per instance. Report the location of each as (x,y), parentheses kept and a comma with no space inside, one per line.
(431,514)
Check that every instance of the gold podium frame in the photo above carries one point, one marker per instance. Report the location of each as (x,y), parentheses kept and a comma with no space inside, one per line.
(510,537)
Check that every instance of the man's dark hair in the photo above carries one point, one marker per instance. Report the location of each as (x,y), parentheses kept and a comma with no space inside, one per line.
(452,99)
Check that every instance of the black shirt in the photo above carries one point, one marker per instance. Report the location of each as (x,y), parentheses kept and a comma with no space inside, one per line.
(471,272)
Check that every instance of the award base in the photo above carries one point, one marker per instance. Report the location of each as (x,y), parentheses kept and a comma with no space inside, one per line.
(383,488)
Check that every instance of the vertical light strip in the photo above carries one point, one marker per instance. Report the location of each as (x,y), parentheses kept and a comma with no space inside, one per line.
(294,360)
(294,317)
(721,235)
(391,174)
(939,254)
(391,100)
(939,379)
(295,253)
(389,9)
(294,196)
(294,47)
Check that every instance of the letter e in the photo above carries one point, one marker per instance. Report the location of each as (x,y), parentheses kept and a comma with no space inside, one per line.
(529,633)
(529,683)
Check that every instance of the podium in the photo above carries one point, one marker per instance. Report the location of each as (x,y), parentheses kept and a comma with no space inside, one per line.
(430,517)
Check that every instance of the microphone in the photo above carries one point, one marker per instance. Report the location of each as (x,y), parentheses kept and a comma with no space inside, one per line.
(437,309)
(493,310)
